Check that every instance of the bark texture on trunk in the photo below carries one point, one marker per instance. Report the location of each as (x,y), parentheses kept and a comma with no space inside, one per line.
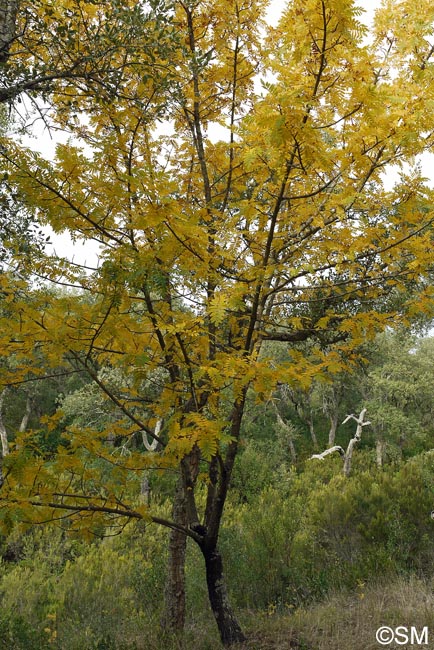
(329,451)
(312,432)
(4,441)
(334,420)
(27,413)
(379,449)
(8,17)
(3,433)
(145,489)
(229,628)
(173,618)
(348,454)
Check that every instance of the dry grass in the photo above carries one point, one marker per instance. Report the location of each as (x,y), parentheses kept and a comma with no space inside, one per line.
(347,621)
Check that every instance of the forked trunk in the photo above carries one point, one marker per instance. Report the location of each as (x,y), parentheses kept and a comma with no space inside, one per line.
(229,628)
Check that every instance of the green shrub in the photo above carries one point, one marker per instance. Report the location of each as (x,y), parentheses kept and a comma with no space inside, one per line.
(373,523)
(322,531)
(68,595)
(27,596)
(300,537)
(257,546)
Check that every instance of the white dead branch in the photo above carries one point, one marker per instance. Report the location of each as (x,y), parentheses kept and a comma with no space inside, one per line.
(328,451)
(152,446)
(348,454)
(145,487)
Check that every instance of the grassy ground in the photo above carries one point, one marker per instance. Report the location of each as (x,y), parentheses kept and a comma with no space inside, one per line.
(348,621)
(345,621)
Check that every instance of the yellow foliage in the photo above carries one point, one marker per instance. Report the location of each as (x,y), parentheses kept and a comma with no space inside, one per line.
(229,212)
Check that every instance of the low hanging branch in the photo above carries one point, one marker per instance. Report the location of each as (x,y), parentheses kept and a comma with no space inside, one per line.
(93,508)
(348,454)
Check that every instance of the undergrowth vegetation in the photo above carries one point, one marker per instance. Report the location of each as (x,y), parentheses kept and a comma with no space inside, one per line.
(307,537)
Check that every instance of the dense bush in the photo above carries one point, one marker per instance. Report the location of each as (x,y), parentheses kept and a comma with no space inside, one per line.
(97,597)
(324,531)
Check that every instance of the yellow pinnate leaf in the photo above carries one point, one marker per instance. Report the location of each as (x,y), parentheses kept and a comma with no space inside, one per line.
(217,307)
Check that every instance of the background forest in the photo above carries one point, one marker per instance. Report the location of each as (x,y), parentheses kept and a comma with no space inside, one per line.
(302,542)
(217,430)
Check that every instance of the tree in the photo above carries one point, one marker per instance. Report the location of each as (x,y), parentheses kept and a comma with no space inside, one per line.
(80,50)
(397,392)
(280,231)
(348,454)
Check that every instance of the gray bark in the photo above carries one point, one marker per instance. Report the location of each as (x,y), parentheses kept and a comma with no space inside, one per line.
(8,16)
(312,431)
(3,432)
(145,489)
(353,442)
(151,446)
(379,452)
(334,417)
(331,402)
(292,451)
(26,416)
(173,618)
(3,436)
(348,454)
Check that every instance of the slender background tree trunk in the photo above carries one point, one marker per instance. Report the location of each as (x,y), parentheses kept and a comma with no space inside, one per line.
(3,432)
(173,618)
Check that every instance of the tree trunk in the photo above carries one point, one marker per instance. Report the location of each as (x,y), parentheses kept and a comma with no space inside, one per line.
(354,441)
(173,618)
(379,448)
(145,489)
(349,456)
(312,432)
(334,420)
(8,16)
(26,416)
(229,628)
(3,436)
(4,440)
(3,432)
